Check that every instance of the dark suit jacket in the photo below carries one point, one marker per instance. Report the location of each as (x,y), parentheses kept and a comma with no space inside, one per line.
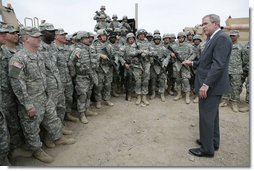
(212,66)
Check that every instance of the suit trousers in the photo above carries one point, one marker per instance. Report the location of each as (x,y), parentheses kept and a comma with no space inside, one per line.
(209,123)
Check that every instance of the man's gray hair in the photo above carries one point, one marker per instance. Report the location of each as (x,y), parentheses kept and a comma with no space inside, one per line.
(213,18)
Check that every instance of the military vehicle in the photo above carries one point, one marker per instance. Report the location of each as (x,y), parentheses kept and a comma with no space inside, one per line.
(240,24)
(8,16)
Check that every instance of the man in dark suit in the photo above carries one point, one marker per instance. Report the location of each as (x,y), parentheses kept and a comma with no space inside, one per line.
(211,82)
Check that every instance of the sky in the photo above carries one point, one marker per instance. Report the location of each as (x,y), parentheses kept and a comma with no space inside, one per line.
(169,16)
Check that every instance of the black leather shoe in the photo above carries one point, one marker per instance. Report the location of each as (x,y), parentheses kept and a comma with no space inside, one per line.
(197,152)
(199,143)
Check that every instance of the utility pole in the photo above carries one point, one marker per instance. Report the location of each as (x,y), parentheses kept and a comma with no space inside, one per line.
(136,15)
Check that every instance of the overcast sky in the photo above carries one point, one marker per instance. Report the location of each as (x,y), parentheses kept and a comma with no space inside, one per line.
(169,16)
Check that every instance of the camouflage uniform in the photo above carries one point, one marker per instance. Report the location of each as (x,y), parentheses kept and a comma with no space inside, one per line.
(104,71)
(158,67)
(140,53)
(114,24)
(4,134)
(100,13)
(102,24)
(125,24)
(80,65)
(62,55)
(235,72)
(54,85)
(126,58)
(182,73)
(246,63)
(10,103)
(28,79)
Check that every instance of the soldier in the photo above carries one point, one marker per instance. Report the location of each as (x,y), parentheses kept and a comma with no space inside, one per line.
(156,32)
(140,51)
(62,54)
(170,79)
(102,24)
(105,69)
(4,133)
(197,39)
(100,13)
(149,37)
(115,86)
(161,57)
(81,70)
(182,73)
(235,72)
(245,75)
(189,37)
(114,24)
(125,24)
(128,62)
(10,103)
(28,80)
(54,83)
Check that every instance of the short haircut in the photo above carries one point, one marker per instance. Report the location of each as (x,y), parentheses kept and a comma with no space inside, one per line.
(213,18)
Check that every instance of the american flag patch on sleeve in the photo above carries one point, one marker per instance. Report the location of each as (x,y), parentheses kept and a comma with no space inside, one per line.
(17,64)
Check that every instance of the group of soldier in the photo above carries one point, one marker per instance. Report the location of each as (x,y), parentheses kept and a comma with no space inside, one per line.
(47,74)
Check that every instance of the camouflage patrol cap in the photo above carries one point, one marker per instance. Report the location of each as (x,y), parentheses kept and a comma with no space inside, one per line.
(166,35)
(125,17)
(3,29)
(149,35)
(172,35)
(181,34)
(103,7)
(129,35)
(11,29)
(197,37)
(233,33)
(101,32)
(156,37)
(82,34)
(114,16)
(141,31)
(61,31)
(47,27)
(91,34)
(31,31)
(156,32)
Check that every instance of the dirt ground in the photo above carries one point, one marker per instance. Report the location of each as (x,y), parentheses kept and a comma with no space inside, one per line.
(156,135)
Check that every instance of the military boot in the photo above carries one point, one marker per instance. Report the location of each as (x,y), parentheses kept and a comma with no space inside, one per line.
(115,94)
(162,97)
(129,97)
(65,141)
(4,161)
(20,152)
(187,97)
(98,105)
(145,100)
(223,103)
(109,103)
(153,95)
(235,107)
(90,113)
(48,141)
(71,118)
(138,99)
(178,96)
(67,131)
(83,118)
(196,99)
(43,156)
(244,109)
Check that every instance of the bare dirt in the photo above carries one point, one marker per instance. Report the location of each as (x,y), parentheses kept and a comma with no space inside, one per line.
(156,135)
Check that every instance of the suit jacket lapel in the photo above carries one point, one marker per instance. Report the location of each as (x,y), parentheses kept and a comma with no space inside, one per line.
(213,39)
